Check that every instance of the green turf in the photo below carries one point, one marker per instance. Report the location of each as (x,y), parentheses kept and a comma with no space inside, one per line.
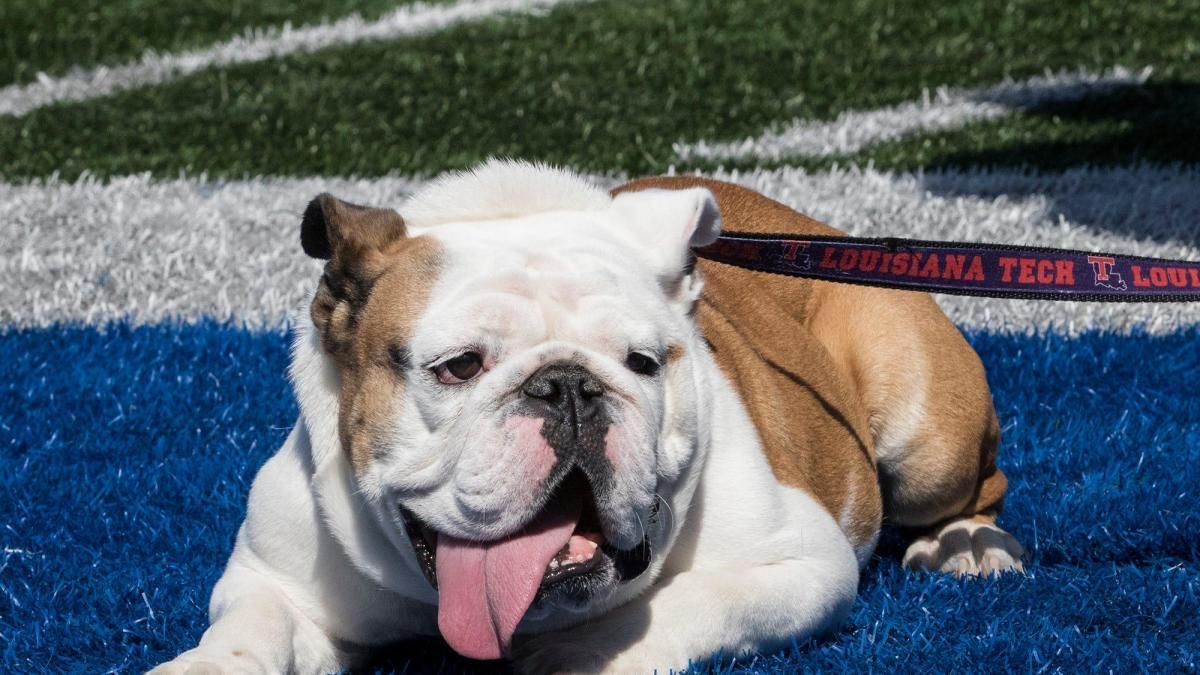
(51,35)
(1157,123)
(600,86)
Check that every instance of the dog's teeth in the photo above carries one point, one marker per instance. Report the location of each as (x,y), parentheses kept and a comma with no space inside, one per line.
(554,564)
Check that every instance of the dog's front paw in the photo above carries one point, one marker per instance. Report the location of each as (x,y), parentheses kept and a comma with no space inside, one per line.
(205,662)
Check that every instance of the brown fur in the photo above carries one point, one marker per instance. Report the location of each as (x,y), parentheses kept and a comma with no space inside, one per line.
(371,379)
(824,367)
(375,287)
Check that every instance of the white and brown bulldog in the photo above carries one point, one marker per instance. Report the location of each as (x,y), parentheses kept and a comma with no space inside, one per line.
(533,425)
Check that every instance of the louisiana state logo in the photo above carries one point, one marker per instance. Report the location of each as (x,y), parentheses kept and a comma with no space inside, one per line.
(1105,277)
(795,253)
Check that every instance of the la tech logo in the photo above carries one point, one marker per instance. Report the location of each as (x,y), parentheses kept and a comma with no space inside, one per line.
(1103,274)
(796,253)
(1144,275)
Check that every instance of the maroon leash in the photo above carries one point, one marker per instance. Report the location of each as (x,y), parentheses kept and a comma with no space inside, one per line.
(988,270)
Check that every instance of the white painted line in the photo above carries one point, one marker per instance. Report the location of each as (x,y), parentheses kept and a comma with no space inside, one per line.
(147,251)
(256,45)
(941,110)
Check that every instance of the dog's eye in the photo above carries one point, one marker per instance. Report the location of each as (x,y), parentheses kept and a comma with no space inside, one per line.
(459,369)
(641,364)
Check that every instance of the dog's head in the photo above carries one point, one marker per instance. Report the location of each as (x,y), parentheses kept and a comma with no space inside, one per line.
(517,385)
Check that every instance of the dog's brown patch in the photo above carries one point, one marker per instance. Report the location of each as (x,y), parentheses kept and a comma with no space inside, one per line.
(899,350)
(823,368)
(674,353)
(375,288)
(812,429)
(375,371)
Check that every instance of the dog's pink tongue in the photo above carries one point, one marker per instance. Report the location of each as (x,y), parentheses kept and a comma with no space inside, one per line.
(484,588)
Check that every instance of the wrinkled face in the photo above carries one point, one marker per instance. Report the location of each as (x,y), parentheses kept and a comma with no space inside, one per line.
(518,398)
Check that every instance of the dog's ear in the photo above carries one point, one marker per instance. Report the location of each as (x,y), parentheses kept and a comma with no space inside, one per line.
(667,224)
(355,241)
(334,228)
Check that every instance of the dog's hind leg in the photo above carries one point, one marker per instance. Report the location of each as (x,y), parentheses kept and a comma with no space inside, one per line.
(933,423)
(937,462)
(956,527)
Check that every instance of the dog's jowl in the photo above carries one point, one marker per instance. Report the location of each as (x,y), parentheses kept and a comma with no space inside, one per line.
(534,425)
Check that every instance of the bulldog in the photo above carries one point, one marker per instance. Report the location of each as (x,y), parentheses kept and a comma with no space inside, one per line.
(533,424)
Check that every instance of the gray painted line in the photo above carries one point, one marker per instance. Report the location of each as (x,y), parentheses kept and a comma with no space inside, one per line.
(146,250)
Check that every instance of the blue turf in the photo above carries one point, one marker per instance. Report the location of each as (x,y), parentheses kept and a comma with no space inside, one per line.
(125,458)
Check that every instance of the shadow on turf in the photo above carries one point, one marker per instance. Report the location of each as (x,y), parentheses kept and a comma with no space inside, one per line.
(1154,123)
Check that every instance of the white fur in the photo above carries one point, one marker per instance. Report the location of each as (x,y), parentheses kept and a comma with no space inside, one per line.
(741,562)
(764,564)
(501,189)
(966,547)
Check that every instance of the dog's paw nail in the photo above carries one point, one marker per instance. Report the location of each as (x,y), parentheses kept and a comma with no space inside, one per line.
(967,548)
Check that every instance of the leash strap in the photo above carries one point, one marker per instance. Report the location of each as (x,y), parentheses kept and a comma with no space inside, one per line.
(987,270)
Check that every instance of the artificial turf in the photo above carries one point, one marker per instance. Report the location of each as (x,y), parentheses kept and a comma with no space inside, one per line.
(1150,123)
(1154,123)
(607,86)
(127,453)
(52,37)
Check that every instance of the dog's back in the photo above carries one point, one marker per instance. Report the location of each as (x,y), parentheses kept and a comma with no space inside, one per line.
(854,389)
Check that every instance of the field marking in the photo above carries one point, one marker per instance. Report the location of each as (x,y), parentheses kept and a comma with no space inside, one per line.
(253,45)
(941,110)
(151,250)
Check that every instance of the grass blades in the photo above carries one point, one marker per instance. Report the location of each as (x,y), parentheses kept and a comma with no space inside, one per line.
(126,455)
(1155,123)
(605,86)
(52,36)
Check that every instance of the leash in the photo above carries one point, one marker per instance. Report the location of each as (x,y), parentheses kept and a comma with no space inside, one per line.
(986,270)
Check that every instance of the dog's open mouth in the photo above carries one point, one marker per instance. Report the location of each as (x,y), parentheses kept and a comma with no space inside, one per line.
(485,588)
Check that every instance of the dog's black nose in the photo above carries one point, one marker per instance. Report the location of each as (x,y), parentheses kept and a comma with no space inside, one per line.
(568,392)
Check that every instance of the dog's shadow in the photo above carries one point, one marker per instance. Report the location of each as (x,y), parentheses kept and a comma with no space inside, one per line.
(432,657)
